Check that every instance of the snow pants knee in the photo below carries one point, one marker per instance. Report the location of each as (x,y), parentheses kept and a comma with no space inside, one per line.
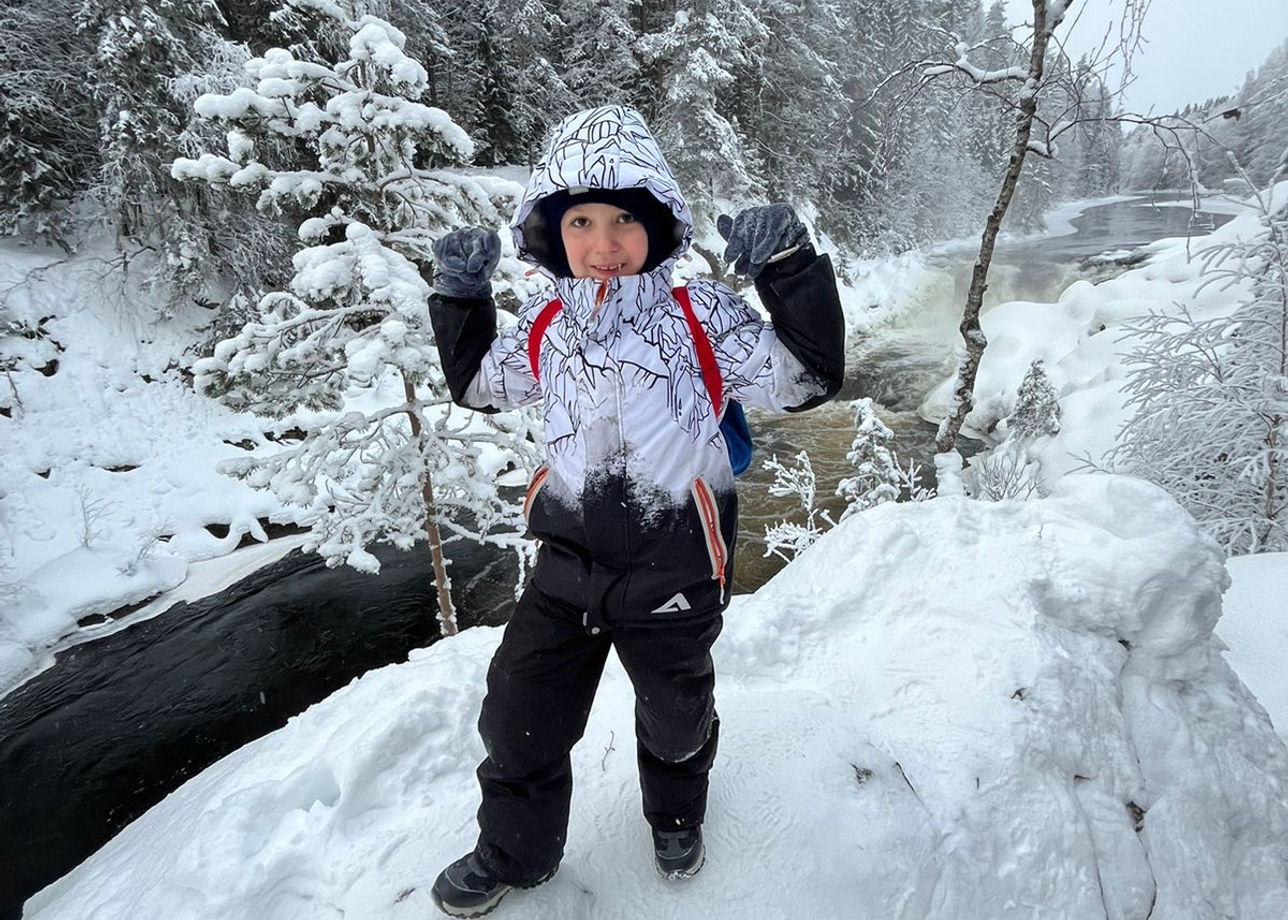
(540,686)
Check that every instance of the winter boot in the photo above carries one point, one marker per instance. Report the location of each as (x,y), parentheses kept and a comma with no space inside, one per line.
(678,854)
(464,889)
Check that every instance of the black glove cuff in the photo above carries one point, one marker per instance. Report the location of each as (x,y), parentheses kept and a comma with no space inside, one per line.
(464,328)
(451,286)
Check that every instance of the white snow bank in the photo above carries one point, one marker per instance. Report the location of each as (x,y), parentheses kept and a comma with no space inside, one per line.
(1082,341)
(105,455)
(949,710)
(1256,630)
(110,490)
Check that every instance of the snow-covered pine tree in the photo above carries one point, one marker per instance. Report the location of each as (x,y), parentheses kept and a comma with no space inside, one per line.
(597,56)
(1211,399)
(878,476)
(1037,405)
(48,136)
(1012,469)
(787,539)
(792,104)
(519,93)
(430,41)
(348,348)
(147,55)
(874,131)
(698,55)
(1263,127)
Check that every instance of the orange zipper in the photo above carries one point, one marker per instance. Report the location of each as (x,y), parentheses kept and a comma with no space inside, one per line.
(538,479)
(710,516)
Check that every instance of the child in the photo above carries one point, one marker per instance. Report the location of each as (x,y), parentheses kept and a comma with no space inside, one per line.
(635,507)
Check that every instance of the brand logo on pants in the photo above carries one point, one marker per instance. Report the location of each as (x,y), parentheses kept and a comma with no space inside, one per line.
(675,605)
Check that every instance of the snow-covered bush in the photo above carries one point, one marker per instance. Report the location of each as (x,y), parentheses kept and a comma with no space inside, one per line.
(1011,469)
(878,476)
(1211,398)
(878,479)
(348,349)
(1003,472)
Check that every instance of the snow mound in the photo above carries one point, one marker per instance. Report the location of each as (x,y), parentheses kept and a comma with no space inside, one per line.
(949,710)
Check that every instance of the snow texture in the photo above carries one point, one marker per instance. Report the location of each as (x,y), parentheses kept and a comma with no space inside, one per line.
(947,642)
(948,709)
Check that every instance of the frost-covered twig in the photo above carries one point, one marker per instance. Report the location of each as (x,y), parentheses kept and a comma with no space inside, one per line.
(1211,398)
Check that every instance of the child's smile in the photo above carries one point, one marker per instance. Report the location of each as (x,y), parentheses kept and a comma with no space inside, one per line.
(603,241)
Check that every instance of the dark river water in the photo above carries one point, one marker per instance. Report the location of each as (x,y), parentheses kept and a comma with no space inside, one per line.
(93,742)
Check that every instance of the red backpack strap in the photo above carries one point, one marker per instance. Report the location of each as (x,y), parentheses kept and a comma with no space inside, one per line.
(702,345)
(538,332)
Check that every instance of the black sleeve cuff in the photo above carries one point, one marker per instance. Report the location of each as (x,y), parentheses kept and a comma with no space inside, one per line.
(464,329)
(800,294)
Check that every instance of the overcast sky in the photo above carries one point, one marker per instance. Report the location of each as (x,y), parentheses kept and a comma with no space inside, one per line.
(1196,48)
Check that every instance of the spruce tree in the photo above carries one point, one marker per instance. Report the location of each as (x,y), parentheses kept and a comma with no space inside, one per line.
(597,58)
(878,477)
(518,93)
(48,135)
(1037,406)
(147,55)
(699,53)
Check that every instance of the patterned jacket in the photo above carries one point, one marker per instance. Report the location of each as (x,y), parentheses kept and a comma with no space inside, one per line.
(635,505)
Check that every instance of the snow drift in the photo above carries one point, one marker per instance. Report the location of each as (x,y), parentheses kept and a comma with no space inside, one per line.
(950,710)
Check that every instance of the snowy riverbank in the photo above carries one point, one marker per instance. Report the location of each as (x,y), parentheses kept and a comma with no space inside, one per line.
(931,714)
(955,709)
(110,496)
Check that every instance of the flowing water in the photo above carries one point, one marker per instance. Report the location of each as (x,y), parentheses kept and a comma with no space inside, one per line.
(90,744)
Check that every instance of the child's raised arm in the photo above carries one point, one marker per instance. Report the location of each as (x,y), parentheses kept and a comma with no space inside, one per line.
(485,370)
(770,245)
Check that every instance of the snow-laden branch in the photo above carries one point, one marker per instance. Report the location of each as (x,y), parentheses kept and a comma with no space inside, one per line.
(978,75)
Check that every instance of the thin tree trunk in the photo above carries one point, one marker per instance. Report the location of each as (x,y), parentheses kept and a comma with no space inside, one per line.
(1271,513)
(972,334)
(446,612)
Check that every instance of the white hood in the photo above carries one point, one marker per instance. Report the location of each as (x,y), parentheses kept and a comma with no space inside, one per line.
(605,147)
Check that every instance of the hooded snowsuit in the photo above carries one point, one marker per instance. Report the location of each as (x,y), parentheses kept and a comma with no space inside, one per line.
(635,507)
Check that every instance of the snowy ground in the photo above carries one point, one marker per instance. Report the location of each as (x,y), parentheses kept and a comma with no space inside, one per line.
(1254,625)
(952,729)
(950,710)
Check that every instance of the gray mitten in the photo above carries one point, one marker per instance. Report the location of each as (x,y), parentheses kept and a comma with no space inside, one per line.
(758,234)
(464,261)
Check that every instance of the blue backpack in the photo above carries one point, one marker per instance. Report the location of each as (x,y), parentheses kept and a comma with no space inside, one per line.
(733,423)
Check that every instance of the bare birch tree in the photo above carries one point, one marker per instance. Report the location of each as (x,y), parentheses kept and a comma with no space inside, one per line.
(1039,71)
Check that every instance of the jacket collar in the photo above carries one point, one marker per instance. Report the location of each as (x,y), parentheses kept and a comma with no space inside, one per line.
(587,301)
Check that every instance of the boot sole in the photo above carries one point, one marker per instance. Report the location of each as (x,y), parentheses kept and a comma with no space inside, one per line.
(487,906)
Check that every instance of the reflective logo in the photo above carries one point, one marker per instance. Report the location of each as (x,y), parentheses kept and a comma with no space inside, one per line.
(675,605)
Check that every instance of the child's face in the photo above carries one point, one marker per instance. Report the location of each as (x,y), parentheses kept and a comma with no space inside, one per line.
(603,241)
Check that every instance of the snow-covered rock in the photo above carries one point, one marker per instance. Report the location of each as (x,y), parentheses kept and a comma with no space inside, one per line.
(952,710)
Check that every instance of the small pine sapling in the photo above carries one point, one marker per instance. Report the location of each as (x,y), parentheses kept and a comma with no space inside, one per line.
(1037,406)
(879,477)
(786,539)
(1010,470)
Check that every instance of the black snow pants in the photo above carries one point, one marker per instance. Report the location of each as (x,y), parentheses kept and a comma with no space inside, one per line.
(540,686)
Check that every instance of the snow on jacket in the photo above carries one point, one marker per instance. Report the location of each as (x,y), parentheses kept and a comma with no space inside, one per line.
(635,505)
